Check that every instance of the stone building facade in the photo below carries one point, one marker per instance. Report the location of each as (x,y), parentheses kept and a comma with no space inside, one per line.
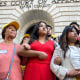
(57,13)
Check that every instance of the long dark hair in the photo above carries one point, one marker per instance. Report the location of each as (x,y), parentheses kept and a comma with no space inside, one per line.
(22,41)
(64,39)
(35,35)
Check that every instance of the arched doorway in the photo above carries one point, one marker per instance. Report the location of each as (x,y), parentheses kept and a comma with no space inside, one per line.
(30,18)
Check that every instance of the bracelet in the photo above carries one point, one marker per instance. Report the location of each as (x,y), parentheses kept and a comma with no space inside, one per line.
(68,73)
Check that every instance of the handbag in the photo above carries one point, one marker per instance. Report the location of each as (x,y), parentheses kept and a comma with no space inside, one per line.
(11,63)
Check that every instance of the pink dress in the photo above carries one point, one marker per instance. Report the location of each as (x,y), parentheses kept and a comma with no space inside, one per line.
(6,52)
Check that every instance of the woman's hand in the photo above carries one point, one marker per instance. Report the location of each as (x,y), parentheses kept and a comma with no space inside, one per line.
(42,55)
(74,73)
(78,76)
(57,60)
(26,46)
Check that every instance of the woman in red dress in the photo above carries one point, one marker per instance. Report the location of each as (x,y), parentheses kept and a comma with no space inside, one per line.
(38,66)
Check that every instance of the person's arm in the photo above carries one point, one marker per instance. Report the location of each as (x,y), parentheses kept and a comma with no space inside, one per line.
(60,71)
(26,46)
(57,60)
(31,53)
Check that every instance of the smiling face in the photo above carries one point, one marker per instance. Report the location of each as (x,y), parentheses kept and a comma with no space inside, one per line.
(10,31)
(42,29)
(72,36)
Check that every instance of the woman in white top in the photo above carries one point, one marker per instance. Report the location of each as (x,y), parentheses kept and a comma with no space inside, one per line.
(68,55)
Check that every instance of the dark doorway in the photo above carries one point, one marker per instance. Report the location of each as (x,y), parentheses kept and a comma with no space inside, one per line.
(29,31)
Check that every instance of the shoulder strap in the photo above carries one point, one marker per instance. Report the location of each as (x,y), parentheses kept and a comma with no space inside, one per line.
(12,60)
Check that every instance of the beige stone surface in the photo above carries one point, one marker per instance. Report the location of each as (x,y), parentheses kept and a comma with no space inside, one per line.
(57,15)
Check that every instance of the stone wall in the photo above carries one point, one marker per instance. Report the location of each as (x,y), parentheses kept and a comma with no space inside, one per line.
(58,15)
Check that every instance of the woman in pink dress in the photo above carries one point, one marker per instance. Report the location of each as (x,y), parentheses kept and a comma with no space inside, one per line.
(38,66)
(9,32)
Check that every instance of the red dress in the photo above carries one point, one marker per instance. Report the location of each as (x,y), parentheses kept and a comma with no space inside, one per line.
(37,69)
